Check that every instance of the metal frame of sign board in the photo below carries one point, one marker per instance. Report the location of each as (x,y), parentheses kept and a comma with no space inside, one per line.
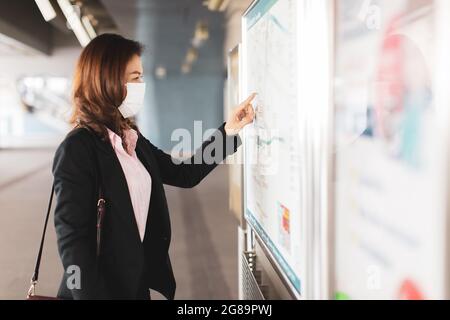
(329,273)
(254,233)
(323,220)
(290,289)
(316,72)
(250,233)
(237,50)
(443,23)
(243,231)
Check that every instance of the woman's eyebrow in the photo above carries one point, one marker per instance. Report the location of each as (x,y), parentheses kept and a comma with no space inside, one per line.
(136,72)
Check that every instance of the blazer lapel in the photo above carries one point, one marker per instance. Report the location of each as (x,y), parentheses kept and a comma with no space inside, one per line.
(115,184)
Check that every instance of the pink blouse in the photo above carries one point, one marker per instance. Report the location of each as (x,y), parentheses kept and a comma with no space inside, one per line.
(138,179)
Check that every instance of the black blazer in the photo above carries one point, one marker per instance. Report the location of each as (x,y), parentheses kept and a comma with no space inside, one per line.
(125,261)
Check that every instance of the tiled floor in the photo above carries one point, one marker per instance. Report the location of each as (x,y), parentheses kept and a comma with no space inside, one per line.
(204,244)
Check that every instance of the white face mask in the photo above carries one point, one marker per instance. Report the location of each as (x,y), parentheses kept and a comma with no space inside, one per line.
(134,101)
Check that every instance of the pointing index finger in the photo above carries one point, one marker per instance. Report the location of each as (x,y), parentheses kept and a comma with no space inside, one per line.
(250,99)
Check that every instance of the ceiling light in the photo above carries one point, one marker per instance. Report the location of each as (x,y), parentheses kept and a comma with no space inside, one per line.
(161,72)
(186,68)
(201,34)
(74,21)
(47,10)
(89,27)
(192,55)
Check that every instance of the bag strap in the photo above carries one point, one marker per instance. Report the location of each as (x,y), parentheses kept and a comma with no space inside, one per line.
(100,207)
(35,277)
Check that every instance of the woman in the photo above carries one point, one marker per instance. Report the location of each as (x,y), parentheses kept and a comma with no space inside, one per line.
(106,150)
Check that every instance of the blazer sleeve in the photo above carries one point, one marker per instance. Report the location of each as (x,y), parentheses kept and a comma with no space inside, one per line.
(189,173)
(75,218)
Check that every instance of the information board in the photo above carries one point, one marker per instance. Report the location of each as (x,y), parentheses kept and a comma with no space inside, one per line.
(272,146)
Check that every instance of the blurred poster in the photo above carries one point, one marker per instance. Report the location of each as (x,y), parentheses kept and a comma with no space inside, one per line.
(390,191)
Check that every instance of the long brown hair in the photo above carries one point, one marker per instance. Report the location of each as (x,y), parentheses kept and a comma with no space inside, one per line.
(99,84)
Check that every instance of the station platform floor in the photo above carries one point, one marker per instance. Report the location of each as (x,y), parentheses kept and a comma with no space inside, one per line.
(204,234)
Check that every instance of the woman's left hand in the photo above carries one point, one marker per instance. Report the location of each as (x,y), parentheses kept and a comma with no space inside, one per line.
(240,117)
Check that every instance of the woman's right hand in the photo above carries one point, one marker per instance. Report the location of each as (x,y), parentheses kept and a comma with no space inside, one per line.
(240,117)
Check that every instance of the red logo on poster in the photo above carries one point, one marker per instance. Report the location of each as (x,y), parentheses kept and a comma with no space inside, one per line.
(409,291)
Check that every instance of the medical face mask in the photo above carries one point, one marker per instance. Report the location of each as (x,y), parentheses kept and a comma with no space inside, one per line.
(134,101)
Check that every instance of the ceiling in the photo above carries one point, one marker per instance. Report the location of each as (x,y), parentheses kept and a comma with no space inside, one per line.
(166,28)
(23,30)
